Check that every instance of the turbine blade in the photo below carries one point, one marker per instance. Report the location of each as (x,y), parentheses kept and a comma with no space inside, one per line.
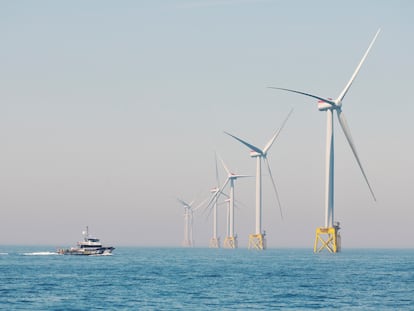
(271,141)
(217,173)
(207,207)
(224,185)
(224,194)
(274,186)
(209,213)
(217,194)
(183,202)
(347,132)
(239,176)
(212,198)
(254,148)
(326,100)
(342,95)
(237,203)
(224,165)
(199,205)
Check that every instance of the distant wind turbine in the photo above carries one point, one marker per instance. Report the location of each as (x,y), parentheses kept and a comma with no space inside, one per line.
(257,240)
(331,229)
(231,239)
(188,222)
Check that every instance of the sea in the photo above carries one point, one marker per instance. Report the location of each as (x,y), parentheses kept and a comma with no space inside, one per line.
(36,278)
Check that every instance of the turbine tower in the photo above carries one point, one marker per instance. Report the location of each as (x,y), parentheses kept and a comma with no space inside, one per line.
(257,239)
(227,201)
(188,223)
(328,235)
(215,240)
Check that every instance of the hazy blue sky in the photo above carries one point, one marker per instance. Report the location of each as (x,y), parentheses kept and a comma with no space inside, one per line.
(112,109)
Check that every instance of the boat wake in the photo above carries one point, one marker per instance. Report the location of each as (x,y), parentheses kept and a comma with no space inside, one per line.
(40,254)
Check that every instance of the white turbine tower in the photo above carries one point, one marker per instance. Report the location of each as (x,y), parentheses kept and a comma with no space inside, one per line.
(331,229)
(231,239)
(188,223)
(227,201)
(257,240)
(215,240)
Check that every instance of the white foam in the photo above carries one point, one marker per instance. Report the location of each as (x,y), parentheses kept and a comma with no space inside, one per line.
(40,254)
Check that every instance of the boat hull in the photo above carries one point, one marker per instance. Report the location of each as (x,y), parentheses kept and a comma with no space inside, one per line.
(86,252)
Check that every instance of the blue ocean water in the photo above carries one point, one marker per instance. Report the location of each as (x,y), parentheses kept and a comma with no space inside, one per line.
(34,278)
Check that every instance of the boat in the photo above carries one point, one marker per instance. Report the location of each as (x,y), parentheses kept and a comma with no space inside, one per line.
(89,246)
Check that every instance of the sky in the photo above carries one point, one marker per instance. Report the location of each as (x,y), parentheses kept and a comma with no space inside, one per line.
(110,110)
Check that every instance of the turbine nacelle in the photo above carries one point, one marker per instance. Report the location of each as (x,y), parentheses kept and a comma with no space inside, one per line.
(323,106)
(329,103)
(255,154)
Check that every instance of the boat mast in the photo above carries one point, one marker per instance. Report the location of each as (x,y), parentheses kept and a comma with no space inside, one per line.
(86,234)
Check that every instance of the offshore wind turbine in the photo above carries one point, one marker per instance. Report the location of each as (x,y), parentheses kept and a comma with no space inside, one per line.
(329,235)
(257,239)
(188,223)
(231,239)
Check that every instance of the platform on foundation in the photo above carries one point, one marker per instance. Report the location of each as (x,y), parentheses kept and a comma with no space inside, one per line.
(327,238)
(230,242)
(257,241)
(214,243)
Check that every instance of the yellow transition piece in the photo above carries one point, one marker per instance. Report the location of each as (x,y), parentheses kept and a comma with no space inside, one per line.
(327,238)
(230,242)
(214,243)
(257,241)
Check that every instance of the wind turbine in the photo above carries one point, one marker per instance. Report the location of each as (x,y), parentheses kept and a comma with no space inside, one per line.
(231,239)
(188,222)
(257,240)
(331,229)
